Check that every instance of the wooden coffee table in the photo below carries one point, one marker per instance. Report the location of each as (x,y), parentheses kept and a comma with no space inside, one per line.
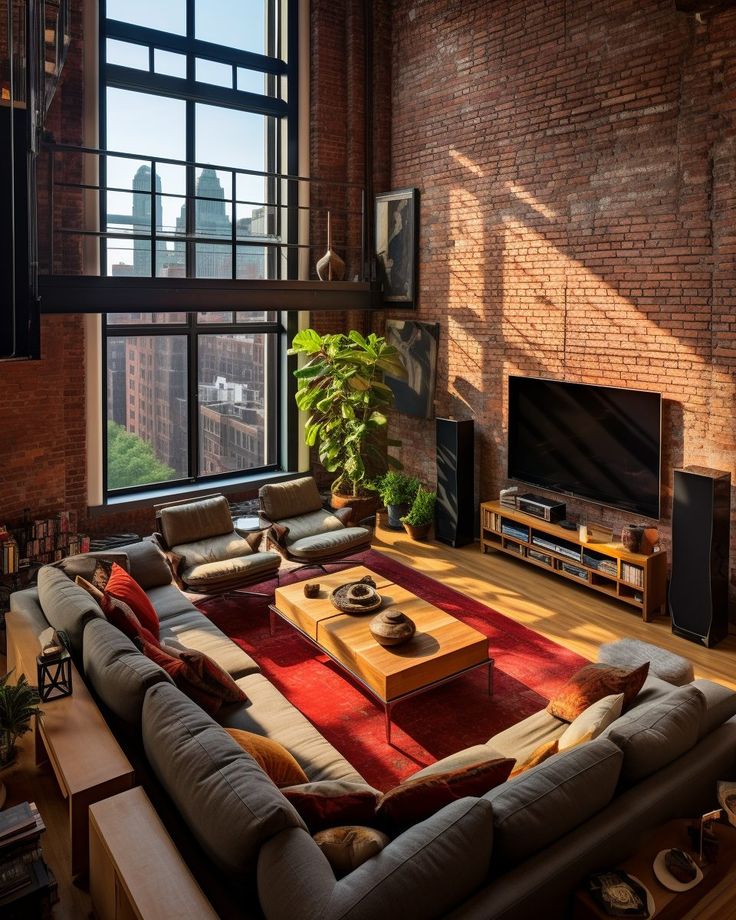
(442,649)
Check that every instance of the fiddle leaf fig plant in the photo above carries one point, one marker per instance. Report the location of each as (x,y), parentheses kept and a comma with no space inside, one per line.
(341,386)
(18,704)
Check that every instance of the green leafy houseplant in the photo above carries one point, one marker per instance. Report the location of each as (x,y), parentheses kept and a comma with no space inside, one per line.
(18,704)
(341,387)
(421,514)
(397,491)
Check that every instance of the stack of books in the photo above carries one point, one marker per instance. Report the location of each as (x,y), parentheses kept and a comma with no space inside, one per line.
(507,497)
(9,555)
(26,882)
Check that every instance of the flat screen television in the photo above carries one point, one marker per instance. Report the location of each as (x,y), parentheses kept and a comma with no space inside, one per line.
(592,442)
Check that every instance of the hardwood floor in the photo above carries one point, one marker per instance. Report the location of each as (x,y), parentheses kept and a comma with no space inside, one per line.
(572,616)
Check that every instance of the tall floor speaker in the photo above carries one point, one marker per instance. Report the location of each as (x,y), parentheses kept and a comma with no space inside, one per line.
(698,597)
(455,508)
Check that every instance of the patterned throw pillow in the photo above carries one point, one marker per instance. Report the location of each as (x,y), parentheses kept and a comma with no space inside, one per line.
(273,758)
(184,676)
(215,679)
(591,684)
(102,573)
(346,848)
(414,800)
(537,756)
(331,803)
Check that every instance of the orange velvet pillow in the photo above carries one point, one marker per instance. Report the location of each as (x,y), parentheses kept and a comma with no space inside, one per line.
(273,758)
(416,799)
(543,752)
(591,684)
(125,588)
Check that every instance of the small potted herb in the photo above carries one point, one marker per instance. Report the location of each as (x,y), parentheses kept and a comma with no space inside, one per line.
(397,491)
(421,514)
(18,704)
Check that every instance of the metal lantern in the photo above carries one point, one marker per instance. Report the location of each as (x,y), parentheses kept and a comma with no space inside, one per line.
(54,676)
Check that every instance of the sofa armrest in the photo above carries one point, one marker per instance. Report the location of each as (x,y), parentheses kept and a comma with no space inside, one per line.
(343,514)
(421,874)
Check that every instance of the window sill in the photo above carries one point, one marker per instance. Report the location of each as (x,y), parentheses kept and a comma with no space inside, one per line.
(172,493)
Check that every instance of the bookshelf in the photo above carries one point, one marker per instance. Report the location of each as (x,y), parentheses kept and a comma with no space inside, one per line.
(632,578)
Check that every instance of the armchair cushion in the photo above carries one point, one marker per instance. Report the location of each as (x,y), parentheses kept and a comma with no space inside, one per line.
(332,543)
(230,572)
(195,521)
(309,525)
(287,499)
(211,549)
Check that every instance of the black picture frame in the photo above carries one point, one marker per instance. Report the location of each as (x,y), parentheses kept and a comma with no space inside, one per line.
(396,243)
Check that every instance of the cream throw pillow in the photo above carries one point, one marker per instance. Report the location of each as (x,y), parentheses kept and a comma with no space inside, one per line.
(592,721)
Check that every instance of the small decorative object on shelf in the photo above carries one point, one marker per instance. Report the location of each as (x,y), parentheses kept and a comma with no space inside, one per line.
(507,497)
(330,267)
(54,667)
(311,589)
(676,870)
(356,597)
(620,894)
(392,627)
(631,536)
(703,838)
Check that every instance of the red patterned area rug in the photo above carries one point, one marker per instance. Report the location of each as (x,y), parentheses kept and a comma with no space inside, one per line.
(528,670)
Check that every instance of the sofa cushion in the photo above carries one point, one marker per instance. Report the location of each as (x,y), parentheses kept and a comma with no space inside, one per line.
(125,588)
(148,564)
(332,803)
(592,683)
(592,722)
(287,499)
(218,576)
(420,875)
(346,848)
(118,672)
(521,740)
(229,804)
(309,525)
(659,734)
(168,602)
(273,758)
(548,801)
(194,630)
(211,549)
(720,704)
(414,800)
(468,757)
(334,543)
(197,520)
(269,713)
(66,606)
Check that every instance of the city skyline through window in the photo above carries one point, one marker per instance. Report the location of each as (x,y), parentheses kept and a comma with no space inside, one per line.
(190,395)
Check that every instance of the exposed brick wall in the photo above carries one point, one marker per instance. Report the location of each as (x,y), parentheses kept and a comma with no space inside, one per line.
(576,168)
(42,410)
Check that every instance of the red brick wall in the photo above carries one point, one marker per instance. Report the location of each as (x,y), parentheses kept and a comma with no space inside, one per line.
(576,167)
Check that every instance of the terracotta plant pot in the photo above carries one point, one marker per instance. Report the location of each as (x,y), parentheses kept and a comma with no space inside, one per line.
(417,533)
(363,505)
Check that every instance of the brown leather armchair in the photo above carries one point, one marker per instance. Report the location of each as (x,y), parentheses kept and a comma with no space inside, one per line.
(208,556)
(302,530)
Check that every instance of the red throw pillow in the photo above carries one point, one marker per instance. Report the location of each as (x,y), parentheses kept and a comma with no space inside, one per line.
(120,615)
(125,588)
(214,678)
(332,803)
(416,799)
(591,684)
(184,676)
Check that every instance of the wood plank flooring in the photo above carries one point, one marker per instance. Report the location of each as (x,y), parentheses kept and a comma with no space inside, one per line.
(570,615)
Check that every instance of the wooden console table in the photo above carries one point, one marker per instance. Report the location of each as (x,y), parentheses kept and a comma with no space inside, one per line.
(135,869)
(608,568)
(73,736)
(713,899)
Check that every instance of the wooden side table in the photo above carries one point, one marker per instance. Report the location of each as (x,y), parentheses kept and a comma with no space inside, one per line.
(135,869)
(73,736)
(712,898)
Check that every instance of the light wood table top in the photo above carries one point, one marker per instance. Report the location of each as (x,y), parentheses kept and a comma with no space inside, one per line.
(442,649)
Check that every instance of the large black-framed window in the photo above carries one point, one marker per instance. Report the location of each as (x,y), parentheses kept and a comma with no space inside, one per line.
(198,120)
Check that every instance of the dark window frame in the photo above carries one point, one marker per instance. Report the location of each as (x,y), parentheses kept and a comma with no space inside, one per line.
(282,422)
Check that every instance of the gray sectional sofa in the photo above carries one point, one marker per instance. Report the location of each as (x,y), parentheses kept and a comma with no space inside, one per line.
(517,852)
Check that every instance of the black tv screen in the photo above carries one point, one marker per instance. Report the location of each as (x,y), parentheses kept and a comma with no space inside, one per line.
(592,442)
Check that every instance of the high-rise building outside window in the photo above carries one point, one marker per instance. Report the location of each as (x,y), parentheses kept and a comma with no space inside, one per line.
(195,125)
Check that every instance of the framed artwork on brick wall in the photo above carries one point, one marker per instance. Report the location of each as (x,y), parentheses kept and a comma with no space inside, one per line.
(397,235)
(417,345)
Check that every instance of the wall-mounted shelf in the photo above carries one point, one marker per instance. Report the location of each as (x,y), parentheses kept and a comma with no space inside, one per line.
(608,568)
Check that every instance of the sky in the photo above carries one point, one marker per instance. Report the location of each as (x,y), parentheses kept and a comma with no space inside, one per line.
(155,125)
